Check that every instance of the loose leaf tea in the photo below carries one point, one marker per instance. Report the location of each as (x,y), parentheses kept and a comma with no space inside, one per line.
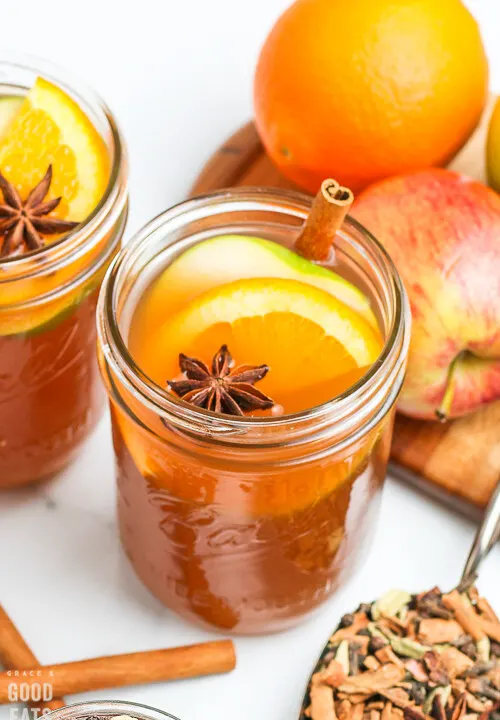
(431,656)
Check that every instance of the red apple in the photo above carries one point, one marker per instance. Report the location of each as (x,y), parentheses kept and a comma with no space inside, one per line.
(443,232)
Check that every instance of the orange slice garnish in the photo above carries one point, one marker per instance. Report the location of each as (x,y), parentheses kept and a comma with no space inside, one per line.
(315,345)
(50,128)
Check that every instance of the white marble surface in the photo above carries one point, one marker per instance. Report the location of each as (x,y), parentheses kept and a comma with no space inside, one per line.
(178,75)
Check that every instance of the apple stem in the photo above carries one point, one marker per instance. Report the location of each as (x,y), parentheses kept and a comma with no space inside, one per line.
(443,411)
(328,211)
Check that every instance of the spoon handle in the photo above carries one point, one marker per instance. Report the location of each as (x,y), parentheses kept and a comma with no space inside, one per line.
(486,536)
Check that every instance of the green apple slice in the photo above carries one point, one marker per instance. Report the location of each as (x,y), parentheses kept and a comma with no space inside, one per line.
(25,324)
(228,258)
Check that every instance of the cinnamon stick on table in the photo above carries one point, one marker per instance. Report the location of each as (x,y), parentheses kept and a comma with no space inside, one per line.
(16,655)
(328,211)
(132,669)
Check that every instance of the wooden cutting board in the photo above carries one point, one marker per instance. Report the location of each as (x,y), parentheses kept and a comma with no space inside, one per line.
(458,461)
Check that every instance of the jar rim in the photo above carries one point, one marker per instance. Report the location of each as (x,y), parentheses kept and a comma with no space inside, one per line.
(70,245)
(116,352)
(94,708)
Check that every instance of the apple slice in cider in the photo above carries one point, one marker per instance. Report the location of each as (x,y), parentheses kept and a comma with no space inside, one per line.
(226,258)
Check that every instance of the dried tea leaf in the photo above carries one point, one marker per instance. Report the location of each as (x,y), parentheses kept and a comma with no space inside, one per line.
(342,656)
(390,624)
(434,657)
(390,603)
(375,631)
(408,648)
(443,692)
(483,649)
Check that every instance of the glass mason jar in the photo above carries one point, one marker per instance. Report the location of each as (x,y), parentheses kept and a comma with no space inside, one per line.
(50,391)
(107,709)
(247,523)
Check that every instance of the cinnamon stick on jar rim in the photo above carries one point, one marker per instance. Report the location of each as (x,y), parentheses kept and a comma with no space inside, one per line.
(140,668)
(328,211)
(15,654)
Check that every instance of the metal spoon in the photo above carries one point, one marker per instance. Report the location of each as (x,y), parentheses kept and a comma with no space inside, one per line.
(486,537)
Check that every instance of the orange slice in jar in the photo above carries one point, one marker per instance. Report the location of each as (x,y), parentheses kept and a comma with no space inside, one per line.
(316,347)
(50,128)
(315,344)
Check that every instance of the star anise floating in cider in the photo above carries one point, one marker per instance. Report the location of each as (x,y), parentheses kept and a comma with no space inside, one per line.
(223,388)
(431,656)
(22,224)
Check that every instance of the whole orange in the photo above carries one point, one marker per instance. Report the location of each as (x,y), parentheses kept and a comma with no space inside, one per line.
(363,89)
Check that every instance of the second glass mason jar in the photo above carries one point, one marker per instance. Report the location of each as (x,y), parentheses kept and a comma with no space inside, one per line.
(50,391)
(247,523)
(109,709)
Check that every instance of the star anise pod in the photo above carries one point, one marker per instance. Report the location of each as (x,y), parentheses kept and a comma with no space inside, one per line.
(223,389)
(22,222)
